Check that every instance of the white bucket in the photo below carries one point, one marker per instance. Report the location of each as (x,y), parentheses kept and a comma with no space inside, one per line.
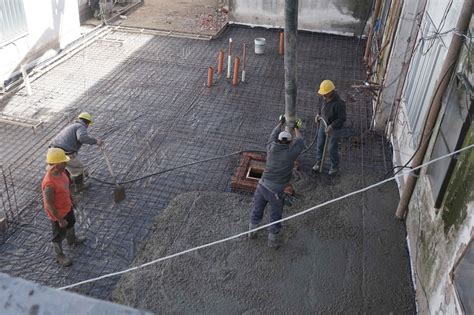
(259,45)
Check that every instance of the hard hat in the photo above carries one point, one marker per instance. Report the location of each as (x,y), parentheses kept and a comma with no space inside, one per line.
(86,116)
(56,156)
(284,135)
(326,87)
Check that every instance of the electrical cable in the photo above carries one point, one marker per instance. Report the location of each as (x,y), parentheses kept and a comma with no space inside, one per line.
(263,226)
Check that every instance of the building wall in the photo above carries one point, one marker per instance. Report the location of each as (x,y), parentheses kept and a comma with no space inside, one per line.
(436,235)
(332,16)
(51,26)
(398,61)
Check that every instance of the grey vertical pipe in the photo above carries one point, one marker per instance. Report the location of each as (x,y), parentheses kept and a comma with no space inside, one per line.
(291,29)
(443,80)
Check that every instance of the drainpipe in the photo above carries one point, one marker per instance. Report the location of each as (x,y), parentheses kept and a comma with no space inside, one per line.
(291,30)
(443,79)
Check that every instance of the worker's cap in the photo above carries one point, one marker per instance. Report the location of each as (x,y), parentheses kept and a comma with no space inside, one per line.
(284,135)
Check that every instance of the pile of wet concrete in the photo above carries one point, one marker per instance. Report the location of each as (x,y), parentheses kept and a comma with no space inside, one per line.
(321,266)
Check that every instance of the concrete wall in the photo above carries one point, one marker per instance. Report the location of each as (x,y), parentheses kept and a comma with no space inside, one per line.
(332,16)
(437,236)
(18,296)
(52,24)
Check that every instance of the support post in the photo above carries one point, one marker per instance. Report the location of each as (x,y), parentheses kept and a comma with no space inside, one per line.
(244,54)
(210,76)
(229,59)
(235,78)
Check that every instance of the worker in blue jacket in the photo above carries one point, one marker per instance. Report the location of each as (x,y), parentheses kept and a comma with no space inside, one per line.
(70,139)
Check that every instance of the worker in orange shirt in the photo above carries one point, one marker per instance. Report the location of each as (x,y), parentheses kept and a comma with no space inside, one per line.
(59,204)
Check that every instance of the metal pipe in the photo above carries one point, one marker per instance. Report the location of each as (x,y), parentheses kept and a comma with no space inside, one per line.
(244,54)
(281,49)
(377,7)
(443,79)
(290,34)
(235,78)
(210,76)
(229,59)
(220,62)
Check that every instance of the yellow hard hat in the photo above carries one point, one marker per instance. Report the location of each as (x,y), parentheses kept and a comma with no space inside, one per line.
(86,116)
(326,87)
(56,156)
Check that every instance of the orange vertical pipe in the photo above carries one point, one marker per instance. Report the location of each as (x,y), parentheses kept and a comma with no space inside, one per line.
(220,62)
(235,79)
(281,49)
(210,76)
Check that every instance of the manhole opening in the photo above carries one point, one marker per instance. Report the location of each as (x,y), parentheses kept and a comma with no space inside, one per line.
(254,173)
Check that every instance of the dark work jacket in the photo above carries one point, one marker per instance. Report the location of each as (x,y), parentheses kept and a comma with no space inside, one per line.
(280,161)
(334,112)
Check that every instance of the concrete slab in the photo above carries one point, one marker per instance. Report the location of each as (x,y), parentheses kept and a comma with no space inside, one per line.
(150,103)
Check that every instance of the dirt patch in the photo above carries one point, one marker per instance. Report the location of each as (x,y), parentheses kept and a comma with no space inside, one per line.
(188,16)
(320,267)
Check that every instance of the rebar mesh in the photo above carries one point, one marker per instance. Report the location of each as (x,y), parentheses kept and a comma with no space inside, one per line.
(150,104)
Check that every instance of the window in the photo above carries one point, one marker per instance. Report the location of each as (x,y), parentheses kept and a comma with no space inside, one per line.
(457,118)
(12,20)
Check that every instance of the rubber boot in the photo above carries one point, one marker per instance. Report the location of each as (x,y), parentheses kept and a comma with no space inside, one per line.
(273,240)
(252,235)
(60,257)
(72,239)
(79,184)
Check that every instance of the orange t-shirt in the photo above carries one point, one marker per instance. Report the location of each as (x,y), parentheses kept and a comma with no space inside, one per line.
(62,196)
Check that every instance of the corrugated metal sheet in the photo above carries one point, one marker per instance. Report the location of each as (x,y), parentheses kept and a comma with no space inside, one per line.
(12,20)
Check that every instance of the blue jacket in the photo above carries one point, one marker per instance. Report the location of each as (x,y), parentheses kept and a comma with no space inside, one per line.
(280,161)
(71,138)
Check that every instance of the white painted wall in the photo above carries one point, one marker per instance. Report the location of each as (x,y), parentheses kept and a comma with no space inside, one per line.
(330,16)
(52,24)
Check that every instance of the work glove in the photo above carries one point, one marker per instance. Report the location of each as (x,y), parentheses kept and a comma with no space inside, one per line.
(317,118)
(298,123)
(282,119)
(329,130)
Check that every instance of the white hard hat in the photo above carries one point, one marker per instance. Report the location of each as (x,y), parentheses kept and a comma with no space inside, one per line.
(284,135)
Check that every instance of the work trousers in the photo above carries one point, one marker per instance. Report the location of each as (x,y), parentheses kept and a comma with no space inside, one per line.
(261,197)
(75,167)
(332,147)
(59,233)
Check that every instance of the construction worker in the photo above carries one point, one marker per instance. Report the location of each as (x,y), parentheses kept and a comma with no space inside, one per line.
(58,204)
(333,112)
(70,139)
(282,152)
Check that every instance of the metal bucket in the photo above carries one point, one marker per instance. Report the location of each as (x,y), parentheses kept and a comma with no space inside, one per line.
(259,45)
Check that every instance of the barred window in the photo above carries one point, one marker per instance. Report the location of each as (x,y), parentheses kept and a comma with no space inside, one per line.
(12,20)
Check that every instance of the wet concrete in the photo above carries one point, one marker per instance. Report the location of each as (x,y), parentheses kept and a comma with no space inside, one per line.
(346,257)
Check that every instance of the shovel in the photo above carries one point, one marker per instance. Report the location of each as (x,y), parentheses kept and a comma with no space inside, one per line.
(321,120)
(119,191)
